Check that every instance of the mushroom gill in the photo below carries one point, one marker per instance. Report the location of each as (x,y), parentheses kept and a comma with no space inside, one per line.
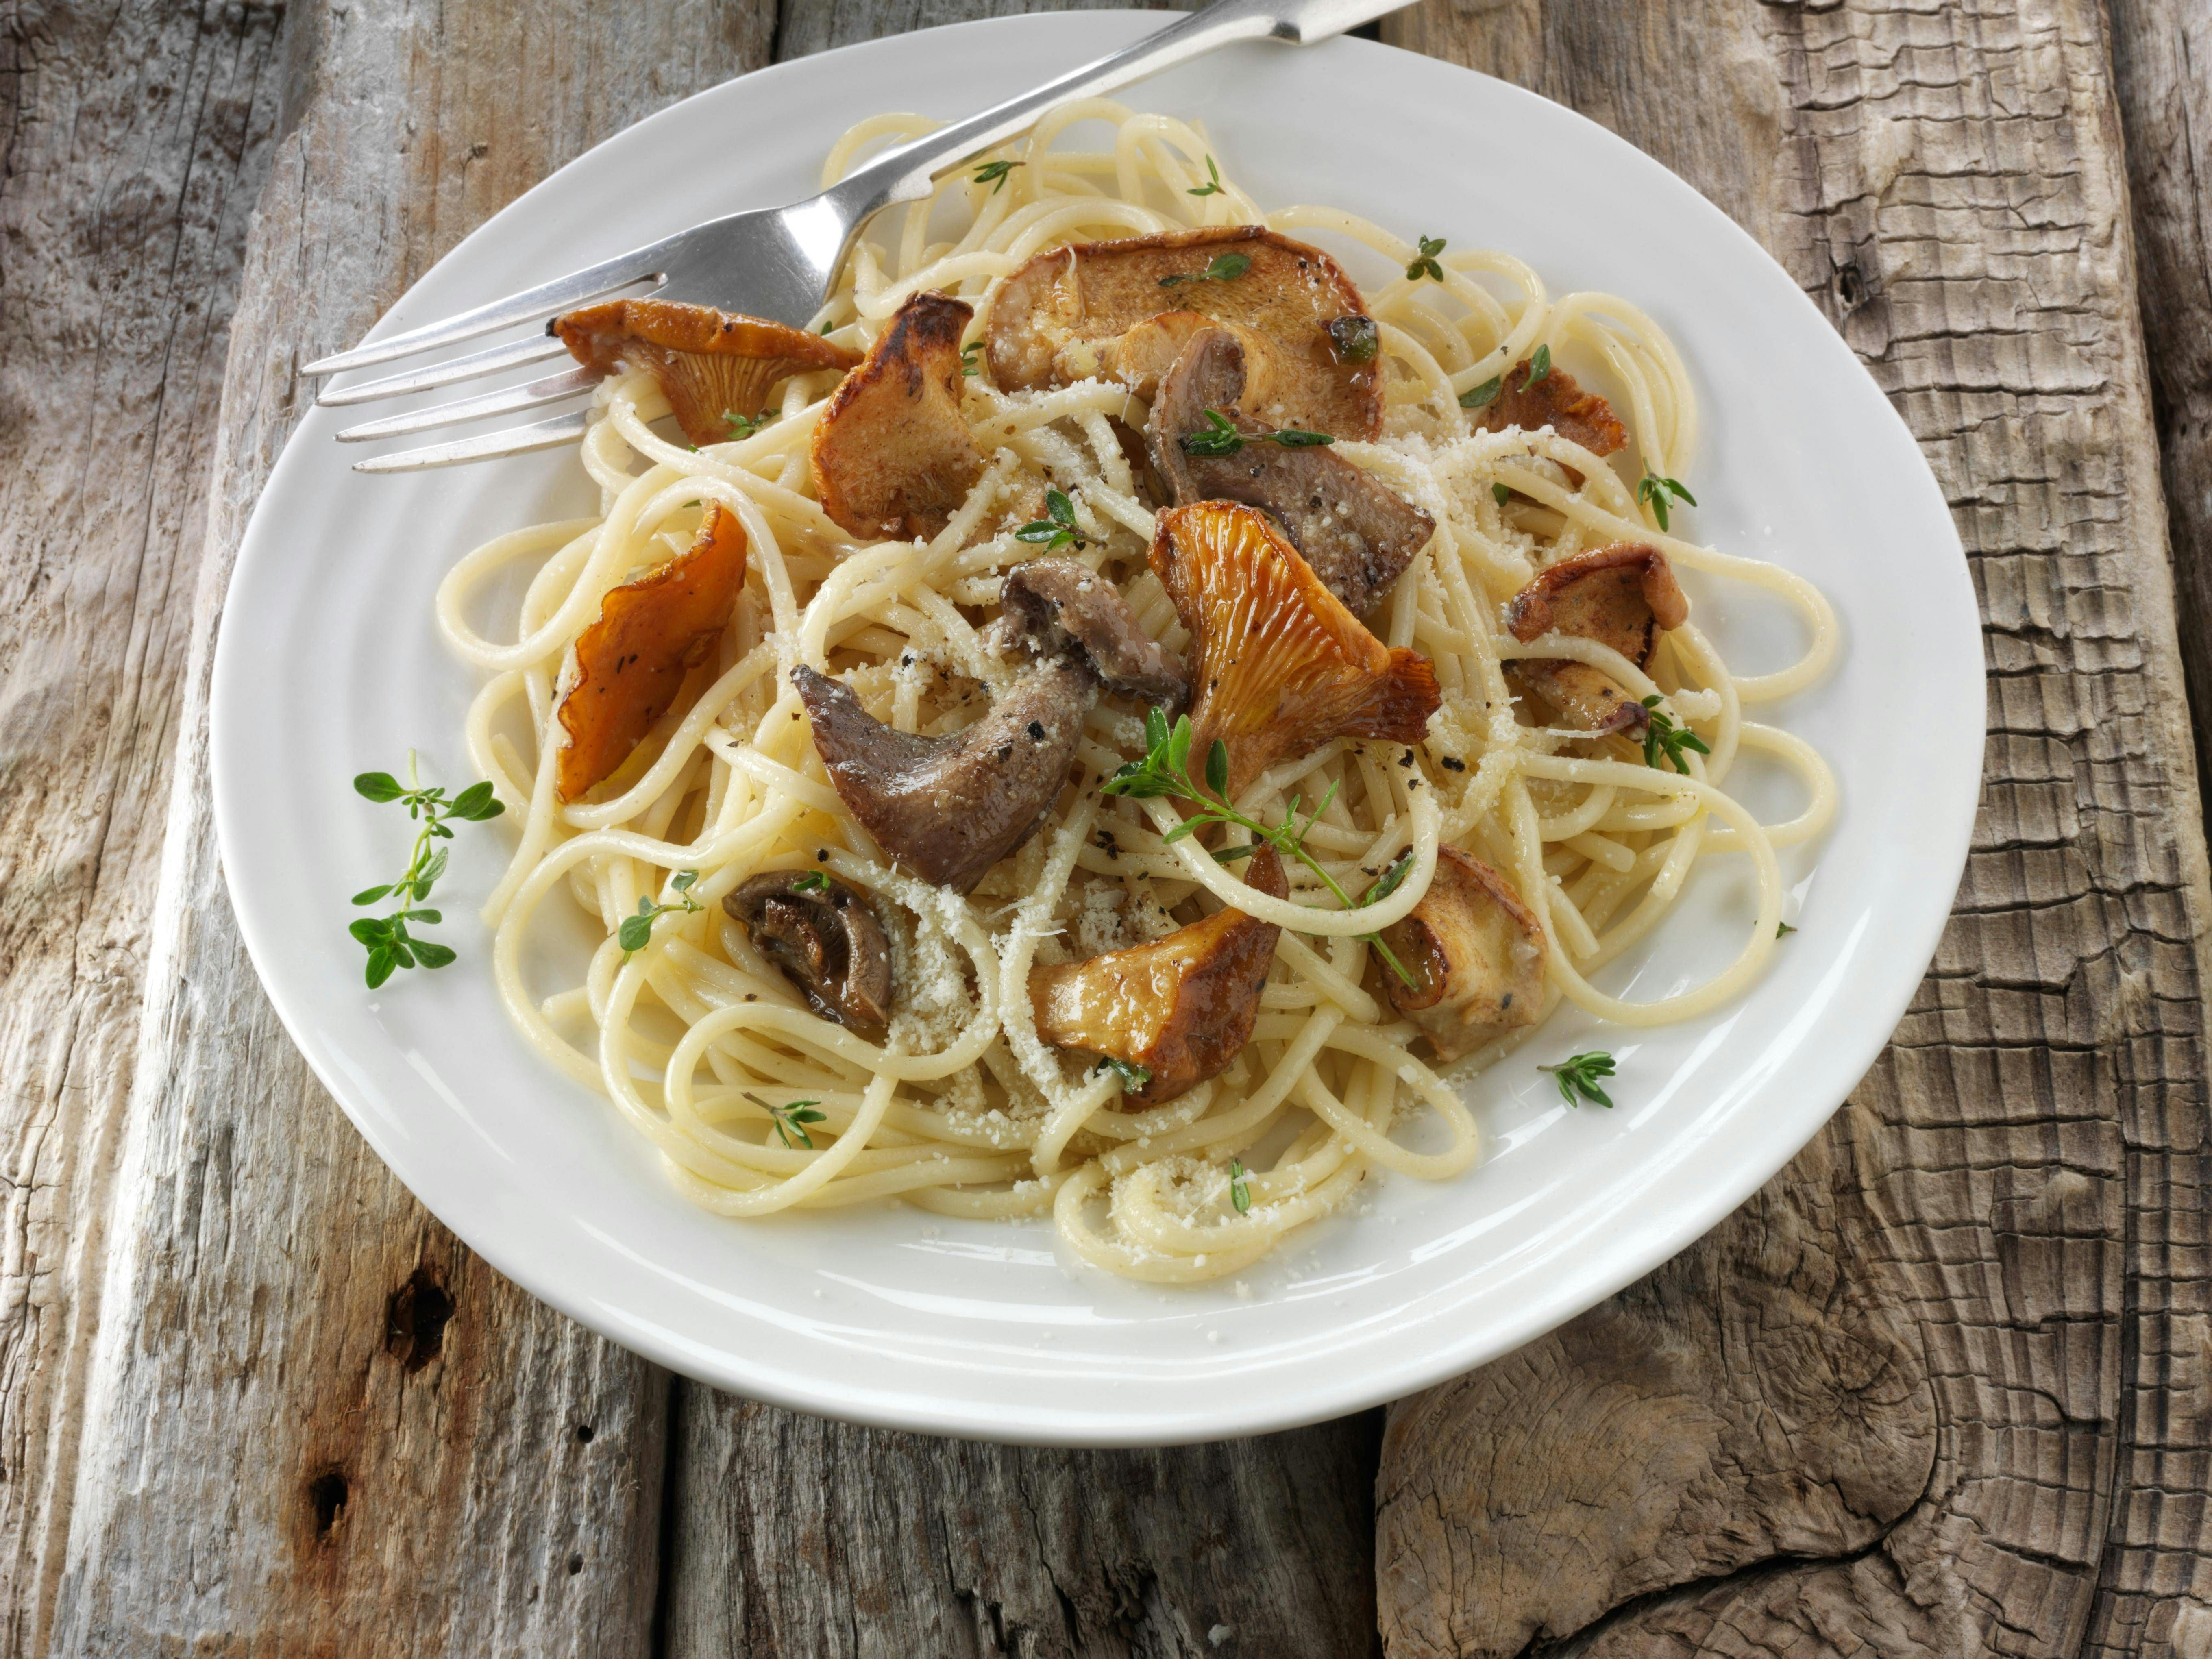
(1281,667)
(1181,1006)
(821,932)
(1124,309)
(1620,596)
(1479,955)
(950,807)
(1357,534)
(1555,401)
(632,662)
(711,365)
(892,454)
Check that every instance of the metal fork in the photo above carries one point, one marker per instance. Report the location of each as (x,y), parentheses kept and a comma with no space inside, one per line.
(774,263)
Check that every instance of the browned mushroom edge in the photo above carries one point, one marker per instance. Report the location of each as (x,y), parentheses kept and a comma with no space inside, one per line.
(1357,533)
(1620,596)
(1477,951)
(1124,308)
(824,936)
(710,365)
(892,454)
(1555,401)
(1181,1006)
(950,807)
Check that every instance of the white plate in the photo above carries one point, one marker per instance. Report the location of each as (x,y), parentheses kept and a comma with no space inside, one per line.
(328,664)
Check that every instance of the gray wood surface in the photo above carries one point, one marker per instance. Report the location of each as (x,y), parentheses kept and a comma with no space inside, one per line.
(1941,1389)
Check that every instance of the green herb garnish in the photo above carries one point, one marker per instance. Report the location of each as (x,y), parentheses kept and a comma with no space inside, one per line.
(1661,737)
(993,173)
(1220,437)
(1240,1186)
(970,362)
(790,1119)
(1226,268)
(1783,930)
(741,428)
(812,882)
(1213,187)
(1578,1075)
(636,931)
(1654,491)
(1165,771)
(1539,365)
(1424,263)
(1500,494)
(1058,529)
(1354,338)
(1481,397)
(387,939)
(1133,1077)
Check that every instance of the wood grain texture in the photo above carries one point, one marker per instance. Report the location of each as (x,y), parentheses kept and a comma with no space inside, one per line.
(126,181)
(2024,1170)
(312,1423)
(811,25)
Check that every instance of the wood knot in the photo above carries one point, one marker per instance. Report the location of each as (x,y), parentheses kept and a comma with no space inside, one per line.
(326,1500)
(414,1322)
(1851,286)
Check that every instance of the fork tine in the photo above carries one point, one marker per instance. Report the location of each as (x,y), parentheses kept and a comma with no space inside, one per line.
(509,440)
(534,348)
(550,390)
(562,294)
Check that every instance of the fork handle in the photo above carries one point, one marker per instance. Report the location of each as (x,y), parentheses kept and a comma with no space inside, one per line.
(907,172)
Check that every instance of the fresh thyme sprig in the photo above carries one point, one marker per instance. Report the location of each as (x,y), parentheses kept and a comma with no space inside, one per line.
(1057,529)
(993,173)
(1240,1186)
(1133,1077)
(1577,1075)
(812,882)
(1783,930)
(1481,397)
(790,1119)
(1663,737)
(740,427)
(1424,263)
(1500,494)
(1539,365)
(1226,268)
(971,362)
(390,945)
(636,931)
(1165,770)
(1212,185)
(1654,491)
(1221,438)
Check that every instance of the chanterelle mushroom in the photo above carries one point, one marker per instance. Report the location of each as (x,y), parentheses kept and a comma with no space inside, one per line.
(1620,596)
(950,807)
(1356,533)
(1557,402)
(1476,950)
(892,455)
(1124,309)
(711,365)
(1181,1006)
(822,934)
(631,663)
(1281,667)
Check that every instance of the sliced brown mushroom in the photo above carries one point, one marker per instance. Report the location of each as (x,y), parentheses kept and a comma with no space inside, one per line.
(631,663)
(1057,608)
(824,937)
(1181,1006)
(711,365)
(1279,666)
(1555,401)
(950,807)
(892,455)
(1476,950)
(1124,309)
(1620,596)
(1357,534)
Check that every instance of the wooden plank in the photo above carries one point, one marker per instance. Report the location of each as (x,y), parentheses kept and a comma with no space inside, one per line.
(2012,1203)
(126,179)
(313,1423)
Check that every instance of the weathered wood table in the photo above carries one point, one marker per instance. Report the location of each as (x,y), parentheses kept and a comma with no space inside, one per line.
(1945,1386)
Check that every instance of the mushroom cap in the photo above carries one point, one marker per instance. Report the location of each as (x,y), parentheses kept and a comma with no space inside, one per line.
(825,939)
(1555,401)
(1078,310)
(651,632)
(1281,667)
(1055,608)
(1181,1006)
(1478,952)
(710,364)
(892,454)
(950,807)
(1620,596)
(1357,534)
